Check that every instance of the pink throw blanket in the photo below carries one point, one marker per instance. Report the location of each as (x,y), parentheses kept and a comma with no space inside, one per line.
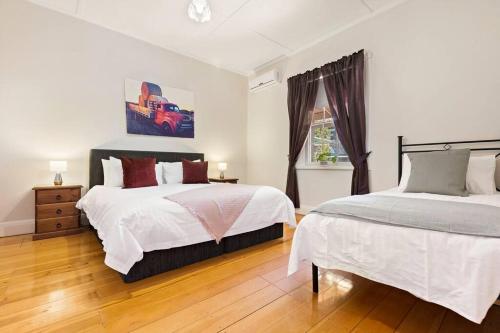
(217,207)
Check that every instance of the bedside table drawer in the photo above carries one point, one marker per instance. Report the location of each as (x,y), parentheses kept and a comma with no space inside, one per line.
(63,223)
(56,210)
(59,195)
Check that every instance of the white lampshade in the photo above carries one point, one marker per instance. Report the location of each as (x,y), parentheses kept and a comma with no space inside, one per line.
(222,166)
(58,166)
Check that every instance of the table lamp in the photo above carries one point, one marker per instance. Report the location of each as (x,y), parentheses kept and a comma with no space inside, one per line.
(222,166)
(58,167)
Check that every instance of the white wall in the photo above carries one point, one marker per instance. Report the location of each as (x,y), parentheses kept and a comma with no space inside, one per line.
(434,74)
(61,93)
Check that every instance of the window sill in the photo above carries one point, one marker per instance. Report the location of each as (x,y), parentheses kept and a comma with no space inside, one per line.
(346,167)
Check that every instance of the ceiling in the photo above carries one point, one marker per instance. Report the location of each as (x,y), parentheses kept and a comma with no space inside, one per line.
(242,35)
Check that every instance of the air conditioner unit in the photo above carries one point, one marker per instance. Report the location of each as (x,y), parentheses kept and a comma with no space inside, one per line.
(264,80)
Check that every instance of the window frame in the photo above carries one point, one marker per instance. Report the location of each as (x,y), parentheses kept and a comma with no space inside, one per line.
(307,159)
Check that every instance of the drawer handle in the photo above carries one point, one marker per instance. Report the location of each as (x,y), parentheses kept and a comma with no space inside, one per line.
(58,225)
(59,211)
(58,197)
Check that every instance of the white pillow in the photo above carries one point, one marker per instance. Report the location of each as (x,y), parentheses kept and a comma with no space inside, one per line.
(405,173)
(159,173)
(481,175)
(172,172)
(113,172)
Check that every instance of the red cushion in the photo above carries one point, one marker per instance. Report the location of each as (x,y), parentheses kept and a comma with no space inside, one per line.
(139,172)
(194,172)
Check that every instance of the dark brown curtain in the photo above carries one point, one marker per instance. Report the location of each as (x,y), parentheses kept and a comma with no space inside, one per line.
(344,86)
(302,92)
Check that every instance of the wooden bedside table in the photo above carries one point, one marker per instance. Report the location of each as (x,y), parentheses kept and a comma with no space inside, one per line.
(55,211)
(225,180)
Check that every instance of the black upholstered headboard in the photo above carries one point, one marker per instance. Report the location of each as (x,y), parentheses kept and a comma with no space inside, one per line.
(96,175)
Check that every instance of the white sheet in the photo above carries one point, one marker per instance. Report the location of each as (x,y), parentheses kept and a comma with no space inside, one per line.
(133,221)
(459,272)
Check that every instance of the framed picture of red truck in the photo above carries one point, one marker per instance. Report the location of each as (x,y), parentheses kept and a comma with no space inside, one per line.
(154,109)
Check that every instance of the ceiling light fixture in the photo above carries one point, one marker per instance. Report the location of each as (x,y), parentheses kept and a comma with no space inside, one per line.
(199,11)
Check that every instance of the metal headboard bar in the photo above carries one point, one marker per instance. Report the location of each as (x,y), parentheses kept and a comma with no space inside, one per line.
(446,145)
(427,151)
(400,157)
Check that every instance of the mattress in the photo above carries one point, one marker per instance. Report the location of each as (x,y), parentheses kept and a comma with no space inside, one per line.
(460,272)
(133,221)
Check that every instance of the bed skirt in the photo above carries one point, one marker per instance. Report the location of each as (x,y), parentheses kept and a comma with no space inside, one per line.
(160,261)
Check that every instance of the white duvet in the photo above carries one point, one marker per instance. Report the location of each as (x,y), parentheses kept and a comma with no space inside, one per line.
(459,272)
(133,221)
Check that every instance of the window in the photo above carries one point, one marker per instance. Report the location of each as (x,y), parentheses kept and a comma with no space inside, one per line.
(323,144)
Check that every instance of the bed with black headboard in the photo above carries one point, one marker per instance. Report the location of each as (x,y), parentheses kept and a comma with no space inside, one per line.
(159,261)
(96,174)
(449,266)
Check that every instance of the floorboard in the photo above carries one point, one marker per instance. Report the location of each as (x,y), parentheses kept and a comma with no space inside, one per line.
(424,317)
(62,285)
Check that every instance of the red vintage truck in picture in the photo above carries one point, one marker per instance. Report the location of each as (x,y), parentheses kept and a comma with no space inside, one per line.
(153,114)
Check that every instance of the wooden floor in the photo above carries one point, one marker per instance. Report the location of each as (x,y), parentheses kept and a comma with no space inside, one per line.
(62,285)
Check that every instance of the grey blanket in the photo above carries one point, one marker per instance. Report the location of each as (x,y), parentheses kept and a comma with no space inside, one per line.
(448,216)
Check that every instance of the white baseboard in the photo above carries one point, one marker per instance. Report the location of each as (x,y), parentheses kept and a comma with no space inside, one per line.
(19,227)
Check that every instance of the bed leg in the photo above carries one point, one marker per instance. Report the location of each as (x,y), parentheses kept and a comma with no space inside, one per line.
(315,278)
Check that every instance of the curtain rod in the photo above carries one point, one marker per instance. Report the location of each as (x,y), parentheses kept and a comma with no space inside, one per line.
(323,76)
(368,55)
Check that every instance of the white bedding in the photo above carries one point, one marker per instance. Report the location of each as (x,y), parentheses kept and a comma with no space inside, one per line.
(460,272)
(133,221)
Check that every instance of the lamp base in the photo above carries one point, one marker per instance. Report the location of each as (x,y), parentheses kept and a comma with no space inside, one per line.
(221,175)
(58,179)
